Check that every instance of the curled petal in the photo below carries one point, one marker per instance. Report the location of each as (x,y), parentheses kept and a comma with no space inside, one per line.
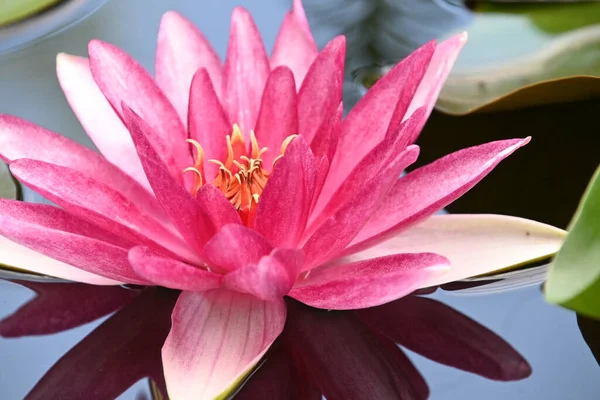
(171,273)
(269,279)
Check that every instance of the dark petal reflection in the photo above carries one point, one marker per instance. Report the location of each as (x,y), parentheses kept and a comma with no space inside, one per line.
(346,359)
(118,353)
(442,334)
(61,306)
(590,330)
(279,379)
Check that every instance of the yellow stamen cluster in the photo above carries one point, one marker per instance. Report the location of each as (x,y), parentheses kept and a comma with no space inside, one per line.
(241,178)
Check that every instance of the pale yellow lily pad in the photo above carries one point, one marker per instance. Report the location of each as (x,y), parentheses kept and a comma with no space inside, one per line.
(8,186)
(15,10)
(566,69)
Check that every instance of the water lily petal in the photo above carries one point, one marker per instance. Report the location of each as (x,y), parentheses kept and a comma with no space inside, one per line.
(22,139)
(269,279)
(337,231)
(292,183)
(474,244)
(217,208)
(66,238)
(371,165)
(278,115)
(94,201)
(368,283)
(428,189)
(52,310)
(16,256)
(208,122)
(181,50)
(236,246)
(171,273)
(246,71)
(120,352)
(295,46)
(123,80)
(440,66)
(216,339)
(321,92)
(388,100)
(346,359)
(436,331)
(98,118)
(187,214)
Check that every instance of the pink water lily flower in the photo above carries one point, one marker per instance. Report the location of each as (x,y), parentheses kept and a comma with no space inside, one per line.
(241,183)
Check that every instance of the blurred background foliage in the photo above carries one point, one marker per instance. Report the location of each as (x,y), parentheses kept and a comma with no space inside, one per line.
(528,69)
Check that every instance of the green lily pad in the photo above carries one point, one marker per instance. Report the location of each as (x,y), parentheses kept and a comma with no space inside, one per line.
(574,278)
(15,10)
(566,68)
(8,186)
(545,16)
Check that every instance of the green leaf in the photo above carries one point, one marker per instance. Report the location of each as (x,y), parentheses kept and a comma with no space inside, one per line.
(552,18)
(8,186)
(574,278)
(15,10)
(566,68)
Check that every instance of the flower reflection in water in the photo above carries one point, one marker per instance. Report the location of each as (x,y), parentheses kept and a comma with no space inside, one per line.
(340,354)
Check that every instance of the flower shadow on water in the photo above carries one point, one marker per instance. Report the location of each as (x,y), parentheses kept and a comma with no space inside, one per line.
(338,354)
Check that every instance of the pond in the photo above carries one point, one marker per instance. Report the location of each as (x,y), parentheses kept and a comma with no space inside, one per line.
(102,349)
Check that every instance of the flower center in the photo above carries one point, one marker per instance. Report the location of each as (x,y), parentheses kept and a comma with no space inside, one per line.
(240,178)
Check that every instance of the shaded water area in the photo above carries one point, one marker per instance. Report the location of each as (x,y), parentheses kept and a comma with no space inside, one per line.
(543,182)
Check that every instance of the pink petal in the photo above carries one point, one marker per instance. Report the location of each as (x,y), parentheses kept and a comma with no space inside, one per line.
(475,244)
(372,164)
(192,221)
(120,352)
(438,332)
(96,115)
(271,278)
(321,92)
(216,339)
(96,202)
(379,111)
(171,273)
(278,115)
(52,310)
(217,208)
(123,80)
(67,239)
(285,203)
(295,46)
(428,189)
(346,359)
(326,137)
(15,256)
(181,50)
(338,230)
(246,71)
(236,246)
(367,283)
(440,66)
(208,123)
(22,139)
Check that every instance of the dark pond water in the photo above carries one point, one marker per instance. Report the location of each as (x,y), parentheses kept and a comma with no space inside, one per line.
(548,337)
